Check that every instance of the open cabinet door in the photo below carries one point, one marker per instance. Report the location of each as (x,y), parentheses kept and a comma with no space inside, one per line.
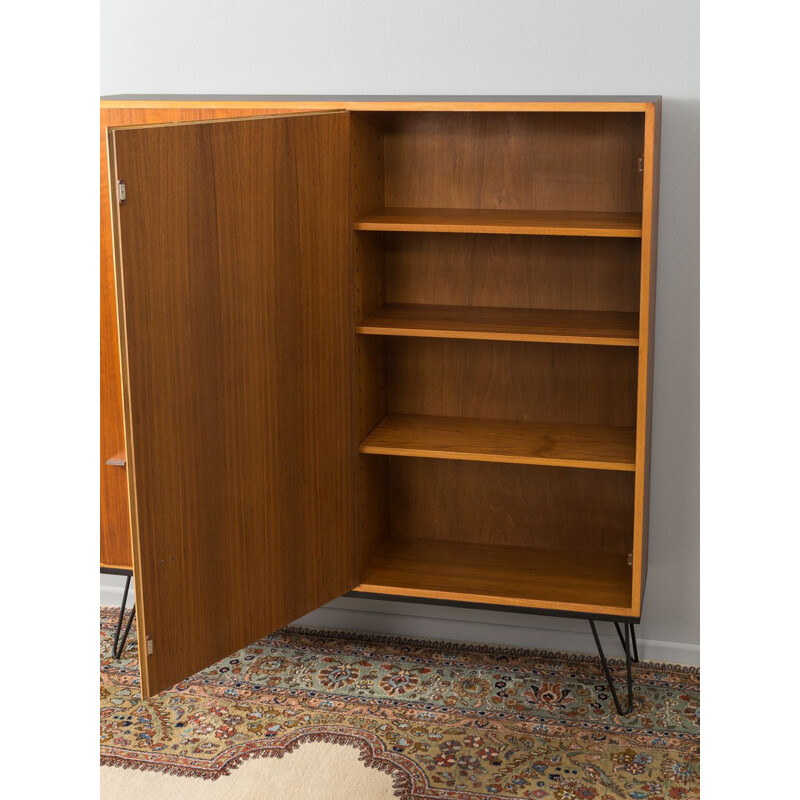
(237,339)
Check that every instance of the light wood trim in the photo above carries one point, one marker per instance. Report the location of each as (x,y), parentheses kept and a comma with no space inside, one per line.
(577,106)
(130,471)
(589,583)
(504,324)
(479,220)
(463,439)
(647,295)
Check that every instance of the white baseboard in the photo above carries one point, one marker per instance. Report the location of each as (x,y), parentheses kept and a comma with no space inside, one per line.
(463,625)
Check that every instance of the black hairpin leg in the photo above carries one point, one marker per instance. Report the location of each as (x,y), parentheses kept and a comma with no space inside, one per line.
(629,657)
(635,657)
(119,645)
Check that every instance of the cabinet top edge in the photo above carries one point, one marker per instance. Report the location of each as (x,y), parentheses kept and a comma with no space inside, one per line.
(390,102)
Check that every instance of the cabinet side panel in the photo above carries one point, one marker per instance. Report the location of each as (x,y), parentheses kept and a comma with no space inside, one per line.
(652,155)
(366,195)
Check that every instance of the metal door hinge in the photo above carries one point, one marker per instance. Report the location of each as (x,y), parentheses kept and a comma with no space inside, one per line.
(630,559)
(149,646)
(640,165)
(121,191)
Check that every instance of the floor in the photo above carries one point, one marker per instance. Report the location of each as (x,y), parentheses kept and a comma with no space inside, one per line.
(360,715)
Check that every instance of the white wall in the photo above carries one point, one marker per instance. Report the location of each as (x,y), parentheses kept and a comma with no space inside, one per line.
(473,47)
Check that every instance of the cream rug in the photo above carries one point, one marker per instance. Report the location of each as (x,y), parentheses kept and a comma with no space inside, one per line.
(315,771)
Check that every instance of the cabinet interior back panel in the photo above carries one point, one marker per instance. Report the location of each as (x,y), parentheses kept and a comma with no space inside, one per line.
(512,381)
(510,504)
(591,274)
(520,161)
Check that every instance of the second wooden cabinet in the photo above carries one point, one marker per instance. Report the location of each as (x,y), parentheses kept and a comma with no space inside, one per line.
(398,348)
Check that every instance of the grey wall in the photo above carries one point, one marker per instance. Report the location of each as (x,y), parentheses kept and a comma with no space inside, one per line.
(474,47)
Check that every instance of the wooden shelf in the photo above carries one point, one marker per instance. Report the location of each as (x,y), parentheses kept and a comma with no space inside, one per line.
(501,574)
(469,220)
(504,324)
(464,439)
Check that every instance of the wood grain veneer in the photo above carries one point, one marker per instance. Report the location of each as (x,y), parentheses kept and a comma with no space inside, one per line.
(115,535)
(558,383)
(504,324)
(505,271)
(514,162)
(522,576)
(496,503)
(582,446)
(236,319)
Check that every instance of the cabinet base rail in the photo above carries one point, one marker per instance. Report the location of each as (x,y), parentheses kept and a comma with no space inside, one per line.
(118,644)
(627,639)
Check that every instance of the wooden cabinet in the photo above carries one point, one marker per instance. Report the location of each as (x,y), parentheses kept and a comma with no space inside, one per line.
(396,347)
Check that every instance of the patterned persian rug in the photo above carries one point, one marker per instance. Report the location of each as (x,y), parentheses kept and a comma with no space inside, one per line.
(420,720)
